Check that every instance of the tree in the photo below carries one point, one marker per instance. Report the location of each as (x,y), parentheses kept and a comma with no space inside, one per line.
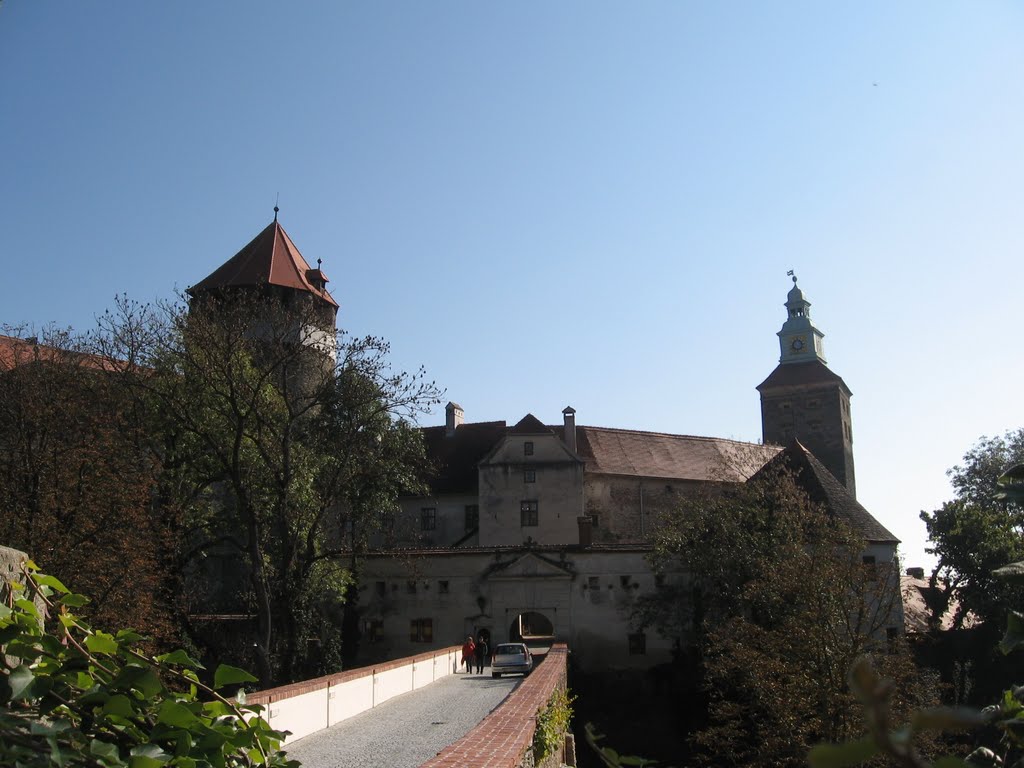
(978,532)
(274,453)
(75,480)
(777,604)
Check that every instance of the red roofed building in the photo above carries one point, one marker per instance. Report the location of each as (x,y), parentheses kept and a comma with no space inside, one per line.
(548,526)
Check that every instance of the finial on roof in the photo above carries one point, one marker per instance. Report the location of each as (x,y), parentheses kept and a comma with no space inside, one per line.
(277,199)
(319,262)
(790,274)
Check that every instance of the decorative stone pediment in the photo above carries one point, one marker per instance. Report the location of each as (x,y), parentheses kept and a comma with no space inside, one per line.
(531,566)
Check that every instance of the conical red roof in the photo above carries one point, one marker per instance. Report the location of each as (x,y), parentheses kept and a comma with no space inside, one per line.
(270,259)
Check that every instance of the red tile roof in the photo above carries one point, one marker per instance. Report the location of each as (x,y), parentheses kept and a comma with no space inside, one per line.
(682,457)
(270,258)
(15,352)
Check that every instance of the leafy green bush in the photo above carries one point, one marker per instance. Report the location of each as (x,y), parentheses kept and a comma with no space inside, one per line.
(74,696)
(552,723)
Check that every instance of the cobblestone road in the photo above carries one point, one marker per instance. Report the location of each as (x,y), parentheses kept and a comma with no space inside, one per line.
(408,730)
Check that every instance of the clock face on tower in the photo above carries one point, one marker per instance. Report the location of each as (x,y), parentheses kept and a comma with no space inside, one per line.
(797,344)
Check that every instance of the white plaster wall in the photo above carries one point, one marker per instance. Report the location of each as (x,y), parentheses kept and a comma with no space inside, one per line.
(391,683)
(350,698)
(422,673)
(302,715)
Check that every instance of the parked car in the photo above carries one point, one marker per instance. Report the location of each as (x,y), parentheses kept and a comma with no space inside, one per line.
(511,657)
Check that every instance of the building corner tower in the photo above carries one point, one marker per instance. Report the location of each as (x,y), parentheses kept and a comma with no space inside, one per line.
(803,399)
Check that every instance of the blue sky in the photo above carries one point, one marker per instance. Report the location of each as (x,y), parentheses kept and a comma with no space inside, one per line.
(546,204)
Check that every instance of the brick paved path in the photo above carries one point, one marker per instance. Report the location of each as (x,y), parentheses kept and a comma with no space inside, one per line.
(408,730)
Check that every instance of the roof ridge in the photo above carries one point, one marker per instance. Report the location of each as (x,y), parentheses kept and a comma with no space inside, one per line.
(706,438)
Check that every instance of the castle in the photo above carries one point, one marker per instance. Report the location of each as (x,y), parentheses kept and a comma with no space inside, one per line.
(541,531)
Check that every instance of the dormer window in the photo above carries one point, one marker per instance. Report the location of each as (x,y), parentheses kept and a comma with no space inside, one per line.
(528,448)
(529,475)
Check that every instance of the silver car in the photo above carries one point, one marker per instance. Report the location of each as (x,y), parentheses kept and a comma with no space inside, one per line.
(511,657)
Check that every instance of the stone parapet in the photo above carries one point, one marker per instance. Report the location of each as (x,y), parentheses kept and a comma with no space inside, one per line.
(504,738)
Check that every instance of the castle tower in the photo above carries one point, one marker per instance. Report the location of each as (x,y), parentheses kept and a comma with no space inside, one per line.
(283,299)
(805,400)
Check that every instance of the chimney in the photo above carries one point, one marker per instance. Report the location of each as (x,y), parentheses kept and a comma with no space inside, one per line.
(586,523)
(453,417)
(569,417)
(915,573)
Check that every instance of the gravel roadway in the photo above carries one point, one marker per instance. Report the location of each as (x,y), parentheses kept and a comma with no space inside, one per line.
(408,730)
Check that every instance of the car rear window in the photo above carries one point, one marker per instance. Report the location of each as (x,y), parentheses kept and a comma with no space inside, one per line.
(510,649)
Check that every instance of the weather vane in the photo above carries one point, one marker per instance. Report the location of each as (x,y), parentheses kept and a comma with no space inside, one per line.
(790,274)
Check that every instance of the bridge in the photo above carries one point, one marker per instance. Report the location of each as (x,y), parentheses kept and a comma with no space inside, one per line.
(416,711)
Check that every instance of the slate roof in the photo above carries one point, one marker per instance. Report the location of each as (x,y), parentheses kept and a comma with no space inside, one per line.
(801,374)
(455,458)
(271,258)
(824,489)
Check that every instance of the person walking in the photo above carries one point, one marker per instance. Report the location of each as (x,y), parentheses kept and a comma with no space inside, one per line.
(468,649)
(480,651)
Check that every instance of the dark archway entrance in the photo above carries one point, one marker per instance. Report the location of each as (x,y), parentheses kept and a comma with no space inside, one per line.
(534,629)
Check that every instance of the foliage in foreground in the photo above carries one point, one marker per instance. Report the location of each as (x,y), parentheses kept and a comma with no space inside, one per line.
(1000,740)
(75,696)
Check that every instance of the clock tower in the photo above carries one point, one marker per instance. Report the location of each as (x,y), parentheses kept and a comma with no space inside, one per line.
(805,400)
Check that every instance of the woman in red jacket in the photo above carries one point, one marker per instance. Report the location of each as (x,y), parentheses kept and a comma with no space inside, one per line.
(468,649)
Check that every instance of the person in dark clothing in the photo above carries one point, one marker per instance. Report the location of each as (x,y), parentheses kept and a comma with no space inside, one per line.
(480,651)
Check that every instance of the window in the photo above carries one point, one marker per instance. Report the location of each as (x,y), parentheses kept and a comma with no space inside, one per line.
(442,587)
(624,581)
(638,644)
(529,475)
(381,587)
(528,513)
(410,587)
(593,582)
(868,559)
(659,580)
(528,448)
(428,518)
(421,630)
(472,516)
(594,520)
(376,630)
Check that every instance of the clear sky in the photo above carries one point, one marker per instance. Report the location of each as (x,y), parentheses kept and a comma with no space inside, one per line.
(559,203)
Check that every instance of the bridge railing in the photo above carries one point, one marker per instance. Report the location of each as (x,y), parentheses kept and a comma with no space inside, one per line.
(504,738)
(312,705)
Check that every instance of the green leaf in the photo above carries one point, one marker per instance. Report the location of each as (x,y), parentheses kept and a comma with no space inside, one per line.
(174,714)
(5,612)
(228,675)
(28,607)
(53,582)
(148,756)
(119,705)
(1014,632)
(842,755)
(141,679)
(180,658)
(104,751)
(20,681)
(74,601)
(101,642)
